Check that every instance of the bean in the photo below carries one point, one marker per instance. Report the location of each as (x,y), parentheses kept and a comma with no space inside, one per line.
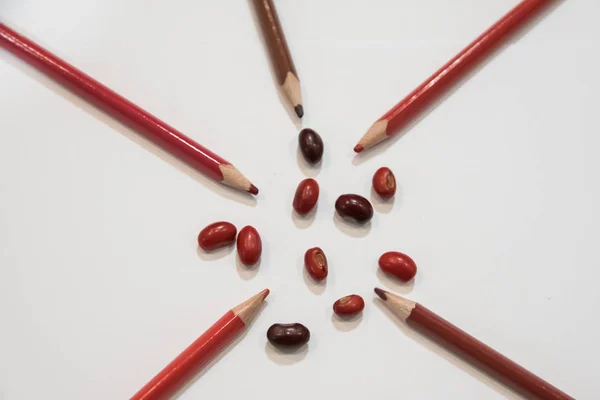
(384,183)
(354,207)
(217,234)
(311,145)
(249,246)
(349,306)
(306,196)
(316,263)
(399,265)
(288,335)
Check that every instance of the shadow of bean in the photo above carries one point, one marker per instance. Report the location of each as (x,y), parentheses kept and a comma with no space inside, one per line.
(346,324)
(287,355)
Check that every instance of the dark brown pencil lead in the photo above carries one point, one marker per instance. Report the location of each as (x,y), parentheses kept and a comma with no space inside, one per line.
(299,110)
(381,293)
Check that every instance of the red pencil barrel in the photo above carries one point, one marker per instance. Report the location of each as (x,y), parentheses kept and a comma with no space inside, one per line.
(497,365)
(443,79)
(155,130)
(172,378)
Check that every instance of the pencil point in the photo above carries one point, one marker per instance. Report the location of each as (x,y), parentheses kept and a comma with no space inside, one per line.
(358,148)
(299,110)
(253,189)
(265,293)
(381,293)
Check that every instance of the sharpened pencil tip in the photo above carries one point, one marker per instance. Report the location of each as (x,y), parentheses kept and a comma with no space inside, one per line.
(299,110)
(358,148)
(381,293)
(253,189)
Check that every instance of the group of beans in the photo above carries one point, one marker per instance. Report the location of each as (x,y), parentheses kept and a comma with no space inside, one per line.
(352,207)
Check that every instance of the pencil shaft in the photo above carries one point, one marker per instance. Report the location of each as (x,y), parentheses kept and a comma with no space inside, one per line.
(403,113)
(155,130)
(175,375)
(461,64)
(478,353)
(276,43)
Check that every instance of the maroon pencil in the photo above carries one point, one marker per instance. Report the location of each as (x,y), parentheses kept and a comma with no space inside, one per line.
(474,351)
(146,124)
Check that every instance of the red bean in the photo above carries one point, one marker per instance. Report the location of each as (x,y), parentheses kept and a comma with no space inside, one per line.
(306,196)
(316,263)
(384,182)
(349,306)
(399,265)
(217,234)
(354,207)
(249,246)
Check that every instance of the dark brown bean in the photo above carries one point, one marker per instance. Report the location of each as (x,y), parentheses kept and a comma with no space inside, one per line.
(311,145)
(349,306)
(399,265)
(306,196)
(384,183)
(355,207)
(316,263)
(249,246)
(217,234)
(288,335)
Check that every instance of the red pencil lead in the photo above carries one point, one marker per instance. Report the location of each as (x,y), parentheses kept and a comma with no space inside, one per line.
(253,189)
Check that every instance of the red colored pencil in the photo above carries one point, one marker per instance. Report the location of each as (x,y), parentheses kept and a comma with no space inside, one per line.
(430,90)
(175,375)
(474,351)
(155,130)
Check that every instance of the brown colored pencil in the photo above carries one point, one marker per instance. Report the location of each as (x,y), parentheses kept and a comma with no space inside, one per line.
(280,53)
(183,368)
(474,351)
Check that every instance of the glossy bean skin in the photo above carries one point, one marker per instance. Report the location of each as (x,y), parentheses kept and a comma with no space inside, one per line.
(217,234)
(249,246)
(306,197)
(288,335)
(311,145)
(354,207)
(399,265)
(384,183)
(315,263)
(349,306)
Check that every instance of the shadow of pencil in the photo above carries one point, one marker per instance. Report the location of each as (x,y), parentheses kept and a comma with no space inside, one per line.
(379,148)
(97,113)
(430,345)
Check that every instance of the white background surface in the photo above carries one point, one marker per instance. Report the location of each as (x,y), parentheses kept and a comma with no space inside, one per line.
(101,283)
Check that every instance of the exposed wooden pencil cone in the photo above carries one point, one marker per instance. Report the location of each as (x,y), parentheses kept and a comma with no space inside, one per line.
(376,133)
(398,305)
(291,88)
(248,310)
(234,178)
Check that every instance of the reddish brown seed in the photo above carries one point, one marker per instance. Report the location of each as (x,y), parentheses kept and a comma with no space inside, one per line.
(316,263)
(354,207)
(288,335)
(306,196)
(349,306)
(249,246)
(217,235)
(399,265)
(384,182)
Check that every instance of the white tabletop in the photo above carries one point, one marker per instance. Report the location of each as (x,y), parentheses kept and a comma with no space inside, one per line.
(101,283)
